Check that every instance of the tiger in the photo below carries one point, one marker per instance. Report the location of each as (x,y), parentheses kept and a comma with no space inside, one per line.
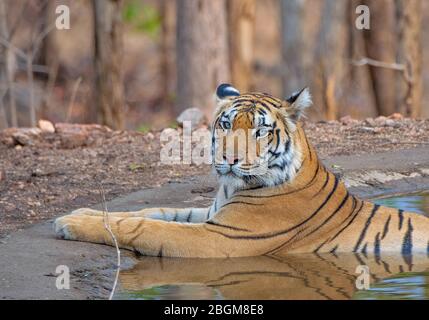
(294,205)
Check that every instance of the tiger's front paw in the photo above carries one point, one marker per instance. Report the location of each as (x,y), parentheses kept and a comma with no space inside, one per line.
(64,227)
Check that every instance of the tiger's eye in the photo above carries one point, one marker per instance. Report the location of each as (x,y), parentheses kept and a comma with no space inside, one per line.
(225,125)
(261,133)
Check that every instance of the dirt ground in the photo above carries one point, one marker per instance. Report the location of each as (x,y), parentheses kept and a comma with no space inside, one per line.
(46,174)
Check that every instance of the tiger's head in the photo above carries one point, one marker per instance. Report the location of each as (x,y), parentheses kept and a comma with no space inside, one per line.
(254,137)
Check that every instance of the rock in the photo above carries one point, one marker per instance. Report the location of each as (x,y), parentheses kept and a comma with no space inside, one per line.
(194,115)
(25,136)
(348,120)
(75,128)
(370,130)
(2,175)
(74,140)
(79,135)
(46,126)
(391,123)
(396,116)
(370,122)
(380,121)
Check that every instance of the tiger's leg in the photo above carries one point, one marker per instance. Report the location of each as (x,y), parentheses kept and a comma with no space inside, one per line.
(158,238)
(194,215)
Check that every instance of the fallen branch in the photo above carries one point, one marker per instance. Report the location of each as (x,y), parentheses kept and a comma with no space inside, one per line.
(109,230)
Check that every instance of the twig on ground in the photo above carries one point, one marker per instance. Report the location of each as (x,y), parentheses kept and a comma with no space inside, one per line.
(107,227)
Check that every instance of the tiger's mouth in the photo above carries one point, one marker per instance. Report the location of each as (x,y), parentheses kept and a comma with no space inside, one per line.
(258,169)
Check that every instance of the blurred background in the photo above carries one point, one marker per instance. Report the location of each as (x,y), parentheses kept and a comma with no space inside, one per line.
(137,64)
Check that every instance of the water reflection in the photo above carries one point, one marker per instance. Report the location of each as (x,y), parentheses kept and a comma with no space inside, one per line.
(292,277)
(415,203)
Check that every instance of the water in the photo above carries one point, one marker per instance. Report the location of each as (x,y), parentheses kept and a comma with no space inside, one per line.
(305,276)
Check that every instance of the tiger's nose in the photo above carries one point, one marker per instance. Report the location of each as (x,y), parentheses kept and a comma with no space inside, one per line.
(232,160)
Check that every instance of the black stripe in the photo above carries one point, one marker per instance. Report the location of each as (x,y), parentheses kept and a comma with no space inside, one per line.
(407,242)
(334,249)
(401,218)
(213,223)
(386,266)
(377,244)
(160,254)
(308,147)
(243,202)
(427,249)
(348,224)
(386,228)
(189,218)
(363,233)
(326,182)
(364,250)
(225,192)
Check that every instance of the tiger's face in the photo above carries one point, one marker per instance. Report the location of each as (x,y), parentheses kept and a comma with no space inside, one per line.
(254,141)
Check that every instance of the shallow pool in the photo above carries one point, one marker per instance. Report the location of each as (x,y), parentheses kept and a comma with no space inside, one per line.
(305,276)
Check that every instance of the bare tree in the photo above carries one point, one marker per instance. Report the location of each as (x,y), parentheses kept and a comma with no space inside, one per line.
(108,62)
(241,20)
(331,56)
(292,13)
(380,44)
(6,65)
(410,52)
(167,12)
(202,52)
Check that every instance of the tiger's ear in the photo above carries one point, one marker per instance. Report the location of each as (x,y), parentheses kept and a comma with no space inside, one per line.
(296,104)
(225,91)
(223,95)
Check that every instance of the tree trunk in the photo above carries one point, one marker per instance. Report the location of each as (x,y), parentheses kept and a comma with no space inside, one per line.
(202,52)
(108,62)
(331,57)
(6,66)
(293,21)
(410,52)
(167,10)
(241,19)
(380,44)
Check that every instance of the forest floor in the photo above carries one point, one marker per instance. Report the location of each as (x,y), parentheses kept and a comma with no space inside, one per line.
(47,174)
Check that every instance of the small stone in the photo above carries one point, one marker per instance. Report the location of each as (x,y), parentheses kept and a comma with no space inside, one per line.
(396,116)
(73,140)
(370,122)
(46,126)
(380,121)
(2,175)
(348,120)
(391,123)
(150,136)
(192,115)
(24,136)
